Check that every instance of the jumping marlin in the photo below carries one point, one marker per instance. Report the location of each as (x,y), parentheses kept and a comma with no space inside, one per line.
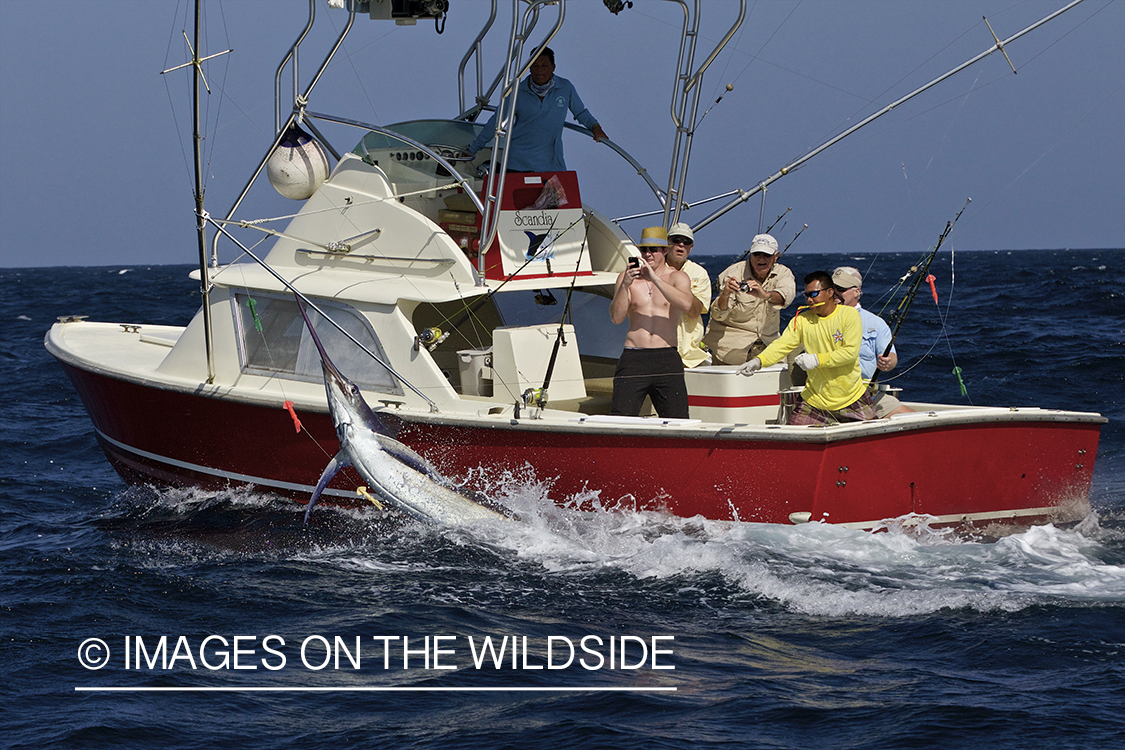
(394,472)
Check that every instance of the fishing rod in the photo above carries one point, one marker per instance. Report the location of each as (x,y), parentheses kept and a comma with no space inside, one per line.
(770,229)
(786,248)
(921,274)
(540,398)
(745,195)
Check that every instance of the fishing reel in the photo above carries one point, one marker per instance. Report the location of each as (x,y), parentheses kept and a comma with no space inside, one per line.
(534,397)
(430,338)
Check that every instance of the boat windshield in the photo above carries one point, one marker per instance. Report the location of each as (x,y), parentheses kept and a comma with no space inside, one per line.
(404,163)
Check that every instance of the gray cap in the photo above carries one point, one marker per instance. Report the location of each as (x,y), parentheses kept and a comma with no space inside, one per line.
(763,243)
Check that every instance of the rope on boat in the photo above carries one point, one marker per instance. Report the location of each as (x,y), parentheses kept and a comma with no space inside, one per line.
(255,223)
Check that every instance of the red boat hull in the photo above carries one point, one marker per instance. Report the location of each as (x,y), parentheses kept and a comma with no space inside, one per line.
(1022,472)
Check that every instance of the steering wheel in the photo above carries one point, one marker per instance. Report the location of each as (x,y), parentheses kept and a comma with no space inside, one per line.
(450,153)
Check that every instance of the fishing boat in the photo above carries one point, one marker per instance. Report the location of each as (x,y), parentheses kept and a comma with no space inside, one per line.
(470,304)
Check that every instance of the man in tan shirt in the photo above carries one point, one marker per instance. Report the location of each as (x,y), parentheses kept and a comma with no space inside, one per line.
(746,316)
(652,296)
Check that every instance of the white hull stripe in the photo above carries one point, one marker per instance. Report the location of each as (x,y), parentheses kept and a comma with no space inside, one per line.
(965,518)
(229,475)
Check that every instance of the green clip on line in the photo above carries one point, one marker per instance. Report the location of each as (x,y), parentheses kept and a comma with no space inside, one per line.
(960,382)
(254,311)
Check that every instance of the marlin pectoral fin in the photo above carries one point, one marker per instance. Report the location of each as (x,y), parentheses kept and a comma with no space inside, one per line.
(339,461)
(404,454)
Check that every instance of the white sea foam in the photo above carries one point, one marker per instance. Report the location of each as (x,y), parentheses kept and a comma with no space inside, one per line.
(817,569)
(821,569)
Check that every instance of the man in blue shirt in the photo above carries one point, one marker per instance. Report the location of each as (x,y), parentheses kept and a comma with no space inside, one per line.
(876,338)
(541,106)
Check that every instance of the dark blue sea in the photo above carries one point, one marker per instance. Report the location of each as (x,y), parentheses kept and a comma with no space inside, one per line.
(727,635)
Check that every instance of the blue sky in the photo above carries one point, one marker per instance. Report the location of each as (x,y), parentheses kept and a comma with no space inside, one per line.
(95,143)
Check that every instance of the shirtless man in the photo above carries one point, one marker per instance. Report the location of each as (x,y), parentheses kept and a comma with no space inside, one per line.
(652,296)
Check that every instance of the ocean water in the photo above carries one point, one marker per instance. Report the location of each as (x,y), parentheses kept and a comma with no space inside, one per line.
(780,637)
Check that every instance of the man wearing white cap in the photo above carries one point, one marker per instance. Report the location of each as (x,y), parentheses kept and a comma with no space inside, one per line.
(653,296)
(876,339)
(690,333)
(746,316)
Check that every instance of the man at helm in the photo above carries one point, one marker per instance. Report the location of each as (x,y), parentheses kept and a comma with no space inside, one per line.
(541,106)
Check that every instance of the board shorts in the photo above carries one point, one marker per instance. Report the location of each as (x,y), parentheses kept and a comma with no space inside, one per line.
(860,410)
(884,403)
(656,373)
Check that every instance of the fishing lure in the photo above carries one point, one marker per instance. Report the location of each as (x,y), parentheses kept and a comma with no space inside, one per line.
(253,304)
(960,382)
(289,408)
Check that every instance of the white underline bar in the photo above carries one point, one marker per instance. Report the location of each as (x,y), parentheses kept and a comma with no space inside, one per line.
(262,689)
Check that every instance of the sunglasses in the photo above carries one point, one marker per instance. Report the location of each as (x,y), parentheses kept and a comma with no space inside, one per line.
(815,293)
(677,240)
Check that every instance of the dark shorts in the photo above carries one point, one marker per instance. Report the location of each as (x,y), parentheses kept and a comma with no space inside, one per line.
(656,373)
(859,410)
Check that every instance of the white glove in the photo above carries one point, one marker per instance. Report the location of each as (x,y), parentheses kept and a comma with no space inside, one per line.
(807,361)
(750,367)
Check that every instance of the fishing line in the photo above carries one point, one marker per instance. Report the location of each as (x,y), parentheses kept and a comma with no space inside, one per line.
(756,55)
(885,91)
(1064,36)
(221,88)
(1051,148)
(351,62)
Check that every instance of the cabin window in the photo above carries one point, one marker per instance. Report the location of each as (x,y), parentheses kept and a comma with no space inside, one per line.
(274,341)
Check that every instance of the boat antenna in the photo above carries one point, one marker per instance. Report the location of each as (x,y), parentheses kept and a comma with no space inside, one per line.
(196,63)
(921,273)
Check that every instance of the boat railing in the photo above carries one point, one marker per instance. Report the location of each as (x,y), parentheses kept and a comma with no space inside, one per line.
(641,171)
(430,150)
(476,50)
(298,113)
(522,26)
(290,55)
(686,90)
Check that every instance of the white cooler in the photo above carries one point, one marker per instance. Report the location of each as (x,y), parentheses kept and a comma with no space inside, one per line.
(720,394)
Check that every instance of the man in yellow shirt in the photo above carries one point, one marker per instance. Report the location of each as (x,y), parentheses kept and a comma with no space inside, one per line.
(690,331)
(831,334)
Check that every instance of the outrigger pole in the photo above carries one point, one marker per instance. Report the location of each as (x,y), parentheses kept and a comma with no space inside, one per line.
(745,195)
(921,273)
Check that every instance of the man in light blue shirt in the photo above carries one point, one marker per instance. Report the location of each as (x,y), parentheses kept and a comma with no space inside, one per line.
(876,339)
(541,107)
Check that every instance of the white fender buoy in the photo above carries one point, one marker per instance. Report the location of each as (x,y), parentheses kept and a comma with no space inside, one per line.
(298,165)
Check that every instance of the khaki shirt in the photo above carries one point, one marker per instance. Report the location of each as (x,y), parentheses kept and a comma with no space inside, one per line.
(690,332)
(748,322)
